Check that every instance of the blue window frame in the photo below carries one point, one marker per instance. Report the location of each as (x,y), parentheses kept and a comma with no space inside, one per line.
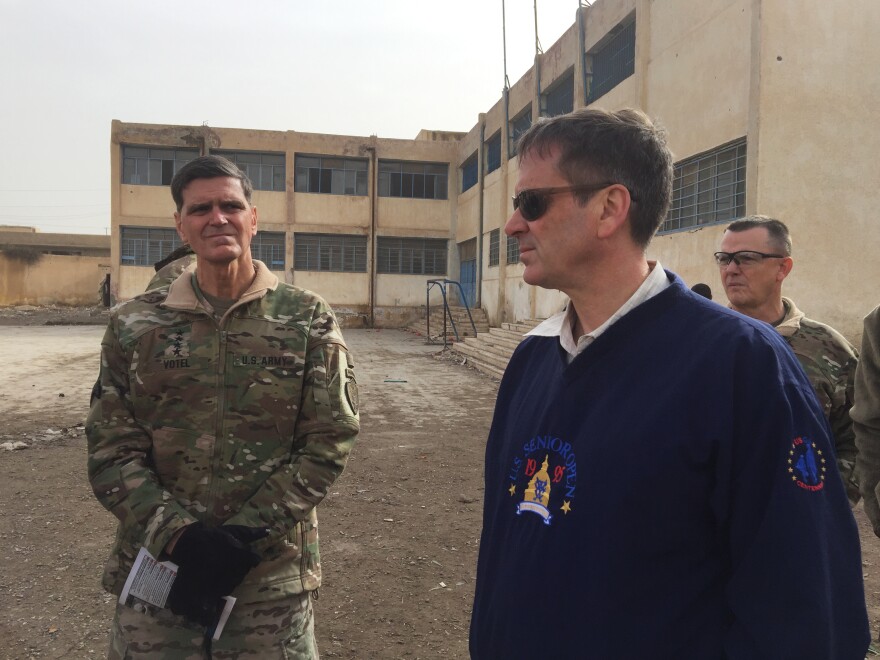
(518,126)
(493,152)
(469,172)
(559,97)
(614,62)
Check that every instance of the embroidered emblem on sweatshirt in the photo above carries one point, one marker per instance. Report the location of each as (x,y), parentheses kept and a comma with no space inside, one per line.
(806,464)
(546,488)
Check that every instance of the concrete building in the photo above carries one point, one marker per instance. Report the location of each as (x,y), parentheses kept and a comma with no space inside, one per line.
(767,102)
(365,221)
(39,268)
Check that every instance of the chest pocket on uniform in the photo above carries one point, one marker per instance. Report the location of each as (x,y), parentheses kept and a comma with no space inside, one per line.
(264,384)
(172,371)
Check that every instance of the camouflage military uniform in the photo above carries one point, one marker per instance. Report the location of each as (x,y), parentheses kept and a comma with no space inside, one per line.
(171,271)
(830,363)
(245,421)
(865,414)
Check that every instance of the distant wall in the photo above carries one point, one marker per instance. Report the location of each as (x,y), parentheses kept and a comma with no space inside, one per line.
(51,279)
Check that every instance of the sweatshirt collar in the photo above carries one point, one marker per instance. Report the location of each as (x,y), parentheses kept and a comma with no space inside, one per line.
(561,324)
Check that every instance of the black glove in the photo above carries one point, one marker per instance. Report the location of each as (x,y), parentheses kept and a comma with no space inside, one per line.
(188,598)
(212,562)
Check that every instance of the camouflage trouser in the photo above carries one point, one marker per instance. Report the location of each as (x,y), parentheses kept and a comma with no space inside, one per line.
(282,629)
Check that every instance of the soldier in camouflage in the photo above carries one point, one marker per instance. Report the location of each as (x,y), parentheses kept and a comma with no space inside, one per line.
(227,406)
(755,258)
(170,268)
(866,418)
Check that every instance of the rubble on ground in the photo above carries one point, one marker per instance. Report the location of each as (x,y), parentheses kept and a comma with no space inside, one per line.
(54,315)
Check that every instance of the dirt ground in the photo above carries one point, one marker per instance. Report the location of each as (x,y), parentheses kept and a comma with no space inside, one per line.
(399,531)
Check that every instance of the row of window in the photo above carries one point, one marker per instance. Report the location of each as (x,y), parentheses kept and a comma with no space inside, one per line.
(706,189)
(331,175)
(144,246)
(607,65)
(344,253)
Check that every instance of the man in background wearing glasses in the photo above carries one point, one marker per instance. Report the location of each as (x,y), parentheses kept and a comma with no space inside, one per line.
(755,258)
(656,480)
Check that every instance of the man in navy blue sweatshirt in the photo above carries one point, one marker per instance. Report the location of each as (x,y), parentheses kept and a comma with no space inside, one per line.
(660,479)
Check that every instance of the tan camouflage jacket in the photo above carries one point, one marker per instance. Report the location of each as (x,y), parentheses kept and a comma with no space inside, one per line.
(244,422)
(866,418)
(829,361)
(170,272)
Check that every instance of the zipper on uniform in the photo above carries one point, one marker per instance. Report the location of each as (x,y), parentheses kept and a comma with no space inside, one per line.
(219,429)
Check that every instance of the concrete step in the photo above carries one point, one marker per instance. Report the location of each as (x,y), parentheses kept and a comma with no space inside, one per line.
(521,326)
(437,330)
(478,358)
(505,341)
(512,335)
(481,344)
(462,327)
(460,319)
(490,352)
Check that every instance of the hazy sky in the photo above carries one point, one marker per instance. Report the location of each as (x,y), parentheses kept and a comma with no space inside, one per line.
(389,67)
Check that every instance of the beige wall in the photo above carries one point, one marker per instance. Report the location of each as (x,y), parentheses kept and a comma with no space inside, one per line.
(468,214)
(817,151)
(558,60)
(699,87)
(699,72)
(52,280)
(271,207)
(414,216)
(133,280)
(146,202)
(406,290)
(811,160)
(336,288)
(333,210)
(689,254)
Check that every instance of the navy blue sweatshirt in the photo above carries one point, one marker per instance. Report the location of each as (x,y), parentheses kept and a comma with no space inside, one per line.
(671,493)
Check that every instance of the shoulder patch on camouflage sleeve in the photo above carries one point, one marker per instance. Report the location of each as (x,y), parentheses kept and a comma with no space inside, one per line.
(351,391)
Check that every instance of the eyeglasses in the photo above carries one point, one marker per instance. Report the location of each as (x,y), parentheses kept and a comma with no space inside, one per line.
(744,258)
(532,204)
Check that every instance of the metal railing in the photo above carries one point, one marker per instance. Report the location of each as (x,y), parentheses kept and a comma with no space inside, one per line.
(447,313)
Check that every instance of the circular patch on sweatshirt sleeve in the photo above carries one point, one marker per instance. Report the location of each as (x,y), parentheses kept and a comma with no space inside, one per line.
(806,464)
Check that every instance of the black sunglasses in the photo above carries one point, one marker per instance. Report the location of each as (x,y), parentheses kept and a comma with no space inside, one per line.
(533,203)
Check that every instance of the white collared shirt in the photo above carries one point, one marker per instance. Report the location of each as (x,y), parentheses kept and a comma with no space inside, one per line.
(561,325)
